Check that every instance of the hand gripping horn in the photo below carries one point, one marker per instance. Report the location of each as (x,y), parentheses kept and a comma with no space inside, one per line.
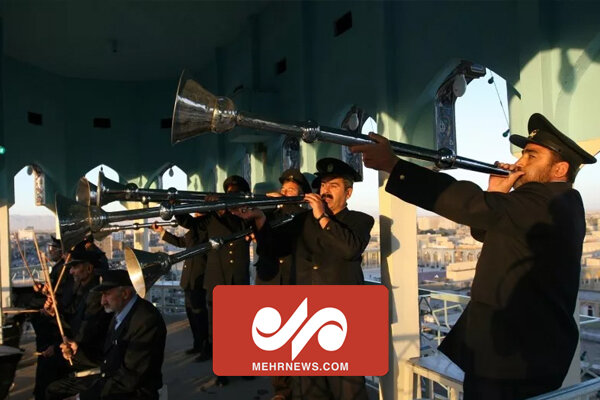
(146,268)
(76,221)
(108,191)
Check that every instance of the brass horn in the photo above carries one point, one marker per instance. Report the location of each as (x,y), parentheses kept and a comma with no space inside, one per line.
(86,192)
(197,111)
(146,268)
(76,221)
(108,191)
(107,230)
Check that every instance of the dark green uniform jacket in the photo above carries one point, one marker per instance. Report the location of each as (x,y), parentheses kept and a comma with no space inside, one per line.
(330,256)
(519,323)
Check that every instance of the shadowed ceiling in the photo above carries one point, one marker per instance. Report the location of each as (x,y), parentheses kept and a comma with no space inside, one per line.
(121,40)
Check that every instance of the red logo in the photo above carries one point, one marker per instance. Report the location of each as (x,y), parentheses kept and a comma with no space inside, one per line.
(300,330)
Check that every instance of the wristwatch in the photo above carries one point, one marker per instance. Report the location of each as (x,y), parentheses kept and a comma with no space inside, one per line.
(324,215)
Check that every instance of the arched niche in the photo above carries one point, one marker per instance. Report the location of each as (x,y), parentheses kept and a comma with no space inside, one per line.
(482,123)
(173,177)
(30,207)
(110,173)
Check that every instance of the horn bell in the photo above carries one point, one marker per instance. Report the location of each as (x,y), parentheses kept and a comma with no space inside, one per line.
(145,268)
(109,190)
(197,111)
(75,221)
(86,192)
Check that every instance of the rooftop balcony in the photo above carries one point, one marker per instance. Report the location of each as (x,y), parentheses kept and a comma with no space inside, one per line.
(433,375)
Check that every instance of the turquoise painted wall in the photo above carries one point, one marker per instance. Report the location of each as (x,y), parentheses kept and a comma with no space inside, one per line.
(391,62)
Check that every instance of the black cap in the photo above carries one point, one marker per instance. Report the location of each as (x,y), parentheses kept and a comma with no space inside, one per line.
(86,251)
(236,180)
(112,278)
(543,133)
(294,175)
(337,168)
(55,242)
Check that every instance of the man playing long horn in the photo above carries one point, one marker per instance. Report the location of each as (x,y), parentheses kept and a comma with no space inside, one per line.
(192,283)
(293,183)
(517,336)
(228,265)
(326,245)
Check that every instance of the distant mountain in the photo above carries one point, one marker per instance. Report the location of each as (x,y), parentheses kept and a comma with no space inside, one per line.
(38,222)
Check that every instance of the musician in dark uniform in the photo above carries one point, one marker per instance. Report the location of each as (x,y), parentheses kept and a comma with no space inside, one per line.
(326,245)
(228,265)
(50,364)
(517,336)
(83,317)
(192,283)
(293,183)
(133,351)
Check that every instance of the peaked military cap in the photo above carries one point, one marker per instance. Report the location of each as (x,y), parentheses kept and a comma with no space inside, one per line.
(55,242)
(112,278)
(236,180)
(86,251)
(334,167)
(294,175)
(543,133)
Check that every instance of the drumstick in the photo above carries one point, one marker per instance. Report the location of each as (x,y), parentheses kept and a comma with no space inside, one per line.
(54,305)
(62,272)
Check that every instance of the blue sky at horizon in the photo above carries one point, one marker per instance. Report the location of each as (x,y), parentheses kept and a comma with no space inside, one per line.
(480,124)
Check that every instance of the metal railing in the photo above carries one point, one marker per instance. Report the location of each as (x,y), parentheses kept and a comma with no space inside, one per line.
(167,296)
(587,390)
(438,311)
(19,276)
(435,377)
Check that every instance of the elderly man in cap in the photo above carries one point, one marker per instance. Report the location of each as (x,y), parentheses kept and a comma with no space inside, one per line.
(133,350)
(326,245)
(230,264)
(81,311)
(517,336)
(83,318)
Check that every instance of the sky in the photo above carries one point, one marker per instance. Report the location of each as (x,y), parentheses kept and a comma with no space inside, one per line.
(480,122)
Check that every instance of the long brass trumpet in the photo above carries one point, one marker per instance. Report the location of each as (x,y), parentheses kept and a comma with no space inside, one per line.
(76,221)
(146,268)
(108,191)
(197,111)
(107,230)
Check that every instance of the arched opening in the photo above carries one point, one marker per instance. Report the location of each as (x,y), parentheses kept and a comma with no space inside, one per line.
(173,177)
(113,245)
(92,176)
(25,201)
(447,258)
(481,120)
(166,291)
(26,220)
